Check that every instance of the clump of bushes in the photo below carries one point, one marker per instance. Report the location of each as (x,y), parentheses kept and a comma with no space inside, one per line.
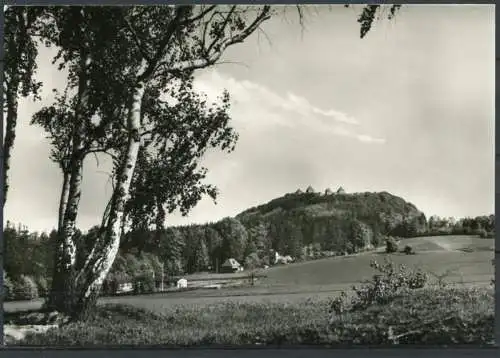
(408,250)
(391,245)
(390,282)
(25,288)
(483,234)
(8,288)
(144,283)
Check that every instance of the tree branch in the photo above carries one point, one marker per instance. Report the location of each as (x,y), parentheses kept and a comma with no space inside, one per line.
(211,59)
(137,41)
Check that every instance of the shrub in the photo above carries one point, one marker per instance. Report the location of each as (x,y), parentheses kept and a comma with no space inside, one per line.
(144,283)
(483,234)
(8,288)
(408,250)
(381,289)
(252,261)
(25,288)
(391,245)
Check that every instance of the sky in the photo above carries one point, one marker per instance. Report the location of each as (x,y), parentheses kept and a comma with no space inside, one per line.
(409,110)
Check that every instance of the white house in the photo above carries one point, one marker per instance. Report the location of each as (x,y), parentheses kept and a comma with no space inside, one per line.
(182,283)
(278,259)
(125,287)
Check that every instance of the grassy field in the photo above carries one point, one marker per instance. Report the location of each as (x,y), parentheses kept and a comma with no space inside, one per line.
(460,259)
(428,316)
(291,305)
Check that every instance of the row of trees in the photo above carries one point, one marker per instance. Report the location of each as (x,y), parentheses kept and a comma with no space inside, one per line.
(129,95)
(149,258)
(480,225)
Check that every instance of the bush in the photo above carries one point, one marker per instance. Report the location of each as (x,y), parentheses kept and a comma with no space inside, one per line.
(381,289)
(408,250)
(483,234)
(391,245)
(8,288)
(144,284)
(25,288)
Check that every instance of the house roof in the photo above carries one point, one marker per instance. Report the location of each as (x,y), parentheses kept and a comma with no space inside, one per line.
(231,262)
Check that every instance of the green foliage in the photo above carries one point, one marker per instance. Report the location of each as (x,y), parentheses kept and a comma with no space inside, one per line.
(25,288)
(391,246)
(42,285)
(483,226)
(369,13)
(381,289)
(408,250)
(8,288)
(252,261)
(144,283)
(235,238)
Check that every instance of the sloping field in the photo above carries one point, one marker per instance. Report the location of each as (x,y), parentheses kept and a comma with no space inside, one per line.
(461,258)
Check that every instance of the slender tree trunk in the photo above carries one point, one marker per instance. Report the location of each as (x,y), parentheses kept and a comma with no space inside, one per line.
(103,254)
(63,200)
(63,280)
(63,291)
(10,133)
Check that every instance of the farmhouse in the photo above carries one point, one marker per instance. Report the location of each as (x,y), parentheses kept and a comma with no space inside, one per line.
(231,265)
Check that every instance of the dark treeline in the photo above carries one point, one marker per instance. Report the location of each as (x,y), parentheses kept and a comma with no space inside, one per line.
(302,225)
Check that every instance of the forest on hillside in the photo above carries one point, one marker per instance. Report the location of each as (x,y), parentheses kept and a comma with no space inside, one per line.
(305,226)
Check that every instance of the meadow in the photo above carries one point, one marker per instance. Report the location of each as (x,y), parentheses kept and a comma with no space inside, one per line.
(292,305)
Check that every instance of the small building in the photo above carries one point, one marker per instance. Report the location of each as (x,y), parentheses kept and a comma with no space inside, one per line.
(328,191)
(283,260)
(125,287)
(182,283)
(299,191)
(340,190)
(231,265)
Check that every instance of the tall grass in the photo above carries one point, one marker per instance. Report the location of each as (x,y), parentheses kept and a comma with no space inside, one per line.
(392,308)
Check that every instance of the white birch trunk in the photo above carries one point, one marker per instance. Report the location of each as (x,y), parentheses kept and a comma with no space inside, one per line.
(63,201)
(63,284)
(103,254)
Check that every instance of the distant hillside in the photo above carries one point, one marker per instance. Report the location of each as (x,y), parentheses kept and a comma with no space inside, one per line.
(302,225)
(336,221)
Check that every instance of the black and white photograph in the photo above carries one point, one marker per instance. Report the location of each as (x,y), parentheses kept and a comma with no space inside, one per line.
(249,175)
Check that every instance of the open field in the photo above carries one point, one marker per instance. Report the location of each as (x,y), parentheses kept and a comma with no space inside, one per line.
(463,259)
(426,316)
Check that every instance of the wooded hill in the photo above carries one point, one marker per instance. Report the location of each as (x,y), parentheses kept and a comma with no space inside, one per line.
(302,225)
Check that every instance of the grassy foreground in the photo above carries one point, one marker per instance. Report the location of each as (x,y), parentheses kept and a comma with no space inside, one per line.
(433,316)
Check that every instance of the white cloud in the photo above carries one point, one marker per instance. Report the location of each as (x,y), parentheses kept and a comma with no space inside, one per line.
(259,106)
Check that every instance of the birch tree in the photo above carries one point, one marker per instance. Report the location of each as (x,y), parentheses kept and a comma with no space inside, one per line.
(162,46)
(123,63)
